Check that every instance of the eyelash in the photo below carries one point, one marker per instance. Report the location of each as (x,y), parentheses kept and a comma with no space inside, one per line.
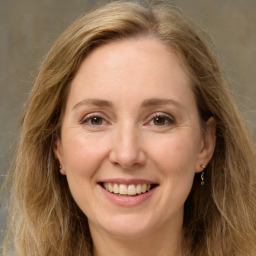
(168,120)
(88,119)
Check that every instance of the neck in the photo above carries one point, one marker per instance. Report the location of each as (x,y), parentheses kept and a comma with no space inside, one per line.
(160,243)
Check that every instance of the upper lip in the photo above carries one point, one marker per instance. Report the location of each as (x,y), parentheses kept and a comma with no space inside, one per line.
(127,181)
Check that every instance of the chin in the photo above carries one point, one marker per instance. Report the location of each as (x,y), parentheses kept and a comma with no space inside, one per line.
(127,226)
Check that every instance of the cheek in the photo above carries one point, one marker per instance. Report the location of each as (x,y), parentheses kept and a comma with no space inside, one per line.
(175,158)
(83,157)
(83,154)
(175,155)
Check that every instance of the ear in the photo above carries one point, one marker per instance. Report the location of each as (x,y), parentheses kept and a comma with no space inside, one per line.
(58,153)
(208,145)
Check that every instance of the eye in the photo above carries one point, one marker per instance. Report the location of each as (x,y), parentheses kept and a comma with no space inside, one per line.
(93,120)
(161,119)
(96,120)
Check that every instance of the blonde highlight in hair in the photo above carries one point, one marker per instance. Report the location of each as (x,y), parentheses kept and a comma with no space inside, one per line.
(219,218)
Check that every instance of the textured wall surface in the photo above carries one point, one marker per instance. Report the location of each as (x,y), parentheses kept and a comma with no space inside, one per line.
(29,27)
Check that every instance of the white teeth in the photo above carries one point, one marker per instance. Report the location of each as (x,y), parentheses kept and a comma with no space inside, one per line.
(144,188)
(123,189)
(138,189)
(116,189)
(110,187)
(131,190)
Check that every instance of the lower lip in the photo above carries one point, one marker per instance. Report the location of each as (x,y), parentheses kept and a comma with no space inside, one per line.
(128,200)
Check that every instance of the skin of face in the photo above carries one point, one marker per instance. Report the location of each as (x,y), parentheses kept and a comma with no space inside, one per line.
(131,115)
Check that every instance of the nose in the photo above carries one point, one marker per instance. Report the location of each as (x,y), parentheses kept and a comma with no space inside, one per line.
(127,150)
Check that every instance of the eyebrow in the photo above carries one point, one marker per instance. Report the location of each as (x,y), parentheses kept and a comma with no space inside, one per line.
(160,102)
(153,102)
(95,102)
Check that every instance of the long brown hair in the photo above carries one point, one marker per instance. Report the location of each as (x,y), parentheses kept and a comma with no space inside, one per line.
(219,218)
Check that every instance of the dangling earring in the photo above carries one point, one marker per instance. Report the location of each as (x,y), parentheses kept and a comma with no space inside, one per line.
(202,175)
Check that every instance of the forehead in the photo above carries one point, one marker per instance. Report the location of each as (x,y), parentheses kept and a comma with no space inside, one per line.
(130,67)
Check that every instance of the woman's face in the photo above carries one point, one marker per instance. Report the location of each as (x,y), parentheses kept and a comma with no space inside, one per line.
(131,140)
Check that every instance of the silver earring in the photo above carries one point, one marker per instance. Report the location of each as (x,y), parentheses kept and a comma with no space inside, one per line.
(202,178)
(60,166)
(202,175)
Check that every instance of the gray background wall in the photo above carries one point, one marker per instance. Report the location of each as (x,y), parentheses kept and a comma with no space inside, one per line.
(29,27)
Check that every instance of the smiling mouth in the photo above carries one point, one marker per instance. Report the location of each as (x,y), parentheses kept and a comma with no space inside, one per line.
(127,190)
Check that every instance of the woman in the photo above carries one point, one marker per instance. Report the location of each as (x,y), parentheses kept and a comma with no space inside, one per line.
(132,145)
